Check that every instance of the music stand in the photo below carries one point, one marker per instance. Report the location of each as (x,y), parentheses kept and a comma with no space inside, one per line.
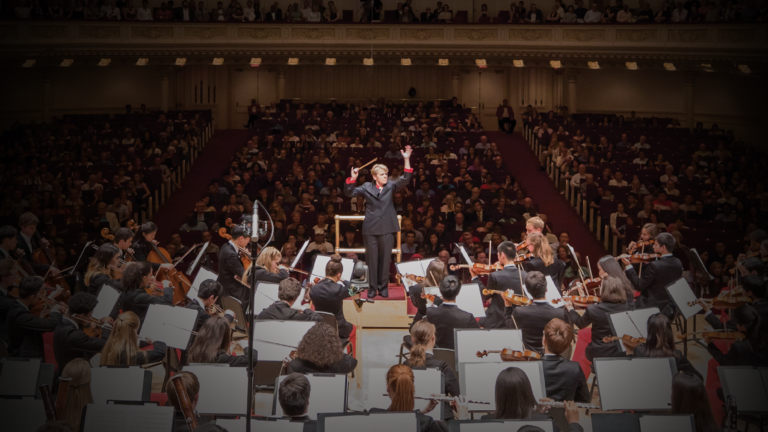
(127,418)
(298,255)
(124,383)
(271,355)
(633,323)
(261,424)
(747,385)
(198,258)
(552,294)
(321,261)
(107,298)
(19,376)
(682,294)
(478,381)
(469,341)
(169,324)
(426,382)
(416,268)
(649,378)
(22,415)
(497,425)
(468,300)
(221,389)
(369,422)
(203,275)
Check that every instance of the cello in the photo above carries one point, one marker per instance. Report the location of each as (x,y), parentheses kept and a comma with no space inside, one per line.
(180,283)
(47,256)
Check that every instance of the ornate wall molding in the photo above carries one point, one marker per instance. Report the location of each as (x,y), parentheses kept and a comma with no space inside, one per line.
(313,33)
(530,35)
(737,35)
(422,34)
(583,35)
(688,36)
(476,34)
(47,31)
(367,33)
(152,32)
(636,35)
(259,33)
(205,32)
(98,32)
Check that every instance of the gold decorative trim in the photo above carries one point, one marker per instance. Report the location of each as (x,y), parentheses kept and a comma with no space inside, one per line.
(583,35)
(47,32)
(475,34)
(422,34)
(530,35)
(259,33)
(737,35)
(689,36)
(152,32)
(98,32)
(367,34)
(313,33)
(636,35)
(205,32)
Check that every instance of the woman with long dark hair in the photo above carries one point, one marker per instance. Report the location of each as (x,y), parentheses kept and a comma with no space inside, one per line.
(320,352)
(753,350)
(143,244)
(609,266)
(661,343)
(137,279)
(401,390)
(102,269)
(213,345)
(689,396)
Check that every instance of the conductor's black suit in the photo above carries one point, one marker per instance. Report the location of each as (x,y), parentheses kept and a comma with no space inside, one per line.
(379,225)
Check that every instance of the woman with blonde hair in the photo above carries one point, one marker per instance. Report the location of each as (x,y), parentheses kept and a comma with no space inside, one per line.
(78,373)
(423,337)
(436,272)
(401,391)
(320,351)
(544,259)
(122,347)
(267,267)
(213,345)
(101,269)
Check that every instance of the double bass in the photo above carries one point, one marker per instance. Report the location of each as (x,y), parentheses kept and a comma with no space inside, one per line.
(47,256)
(180,283)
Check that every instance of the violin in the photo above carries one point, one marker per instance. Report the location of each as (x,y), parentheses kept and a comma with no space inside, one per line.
(725,302)
(430,297)
(510,355)
(511,297)
(414,278)
(628,340)
(640,257)
(587,285)
(727,336)
(579,300)
(44,302)
(522,258)
(521,246)
(479,268)
(643,244)
(91,326)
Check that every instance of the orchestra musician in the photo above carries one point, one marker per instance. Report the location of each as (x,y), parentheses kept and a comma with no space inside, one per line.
(657,276)
(613,299)
(436,272)
(423,337)
(648,232)
(380,219)
(752,351)
(293,397)
(213,344)
(536,224)
(191,387)
(25,331)
(101,269)
(69,340)
(123,239)
(136,277)
(661,343)
(7,301)
(288,294)
(565,380)
(690,397)
(533,318)
(320,352)
(207,296)
(754,287)
(328,295)
(608,266)
(142,244)
(401,390)
(79,391)
(231,268)
(28,243)
(448,316)
(122,347)
(9,242)
(509,278)
(544,260)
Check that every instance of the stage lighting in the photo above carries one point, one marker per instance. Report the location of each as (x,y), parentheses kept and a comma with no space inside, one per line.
(443,62)
(293,61)
(669,66)
(593,65)
(518,63)
(330,61)
(745,69)
(67,62)
(405,62)
(555,64)
(181,61)
(28,63)
(255,62)
(218,61)
(142,62)
(368,61)
(632,65)
(481,63)
(105,62)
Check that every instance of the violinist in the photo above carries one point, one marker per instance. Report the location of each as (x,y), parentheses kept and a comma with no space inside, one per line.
(564,378)
(7,302)
(123,239)
(328,295)
(657,276)
(191,387)
(207,296)
(137,277)
(293,397)
(25,331)
(660,343)
(509,278)
(537,224)
(122,347)
(448,316)
(29,243)
(288,294)
(533,318)
(69,340)
(9,240)
(648,233)
(213,344)
(608,266)
(543,259)
(752,351)
(423,337)
(102,269)
(436,272)
(754,287)
(231,267)
(320,351)
(613,299)
(401,390)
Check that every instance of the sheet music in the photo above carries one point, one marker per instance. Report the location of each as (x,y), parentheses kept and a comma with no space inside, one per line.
(682,294)
(328,395)
(22,415)
(128,418)
(701,263)
(125,384)
(478,381)
(636,326)
(746,385)
(670,423)
(202,275)
(464,254)
(322,260)
(261,425)
(19,377)
(283,332)
(427,382)
(107,299)
(374,422)
(649,378)
(199,256)
(506,426)
(416,268)
(298,255)
(468,300)
(222,389)
(469,342)
(169,324)
(552,293)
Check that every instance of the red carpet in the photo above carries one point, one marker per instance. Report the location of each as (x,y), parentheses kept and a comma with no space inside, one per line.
(524,166)
(209,164)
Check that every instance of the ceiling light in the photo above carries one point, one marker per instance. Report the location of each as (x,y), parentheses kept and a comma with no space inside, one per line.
(330,61)
(181,61)
(255,62)
(669,66)
(67,62)
(368,61)
(593,65)
(632,65)
(518,63)
(105,62)
(293,61)
(405,62)
(745,69)
(142,62)
(481,63)
(443,62)
(28,63)
(555,64)
(218,61)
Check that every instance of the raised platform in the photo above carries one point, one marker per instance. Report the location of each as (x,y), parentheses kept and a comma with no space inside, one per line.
(389,312)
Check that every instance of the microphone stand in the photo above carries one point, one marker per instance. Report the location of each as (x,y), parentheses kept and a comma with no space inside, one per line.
(251,298)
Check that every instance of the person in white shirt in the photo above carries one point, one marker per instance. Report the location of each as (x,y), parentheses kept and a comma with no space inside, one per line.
(320,244)
(582,174)
(305,11)
(145,12)
(593,15)
(669,175)
(250,15)
(483,144)
(617,180)
(671,189)
(642,144)
(410,245)
(313,15)
(640,160)
(624,15)
(679,14)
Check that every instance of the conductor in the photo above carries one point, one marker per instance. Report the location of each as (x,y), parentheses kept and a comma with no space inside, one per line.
(380,219)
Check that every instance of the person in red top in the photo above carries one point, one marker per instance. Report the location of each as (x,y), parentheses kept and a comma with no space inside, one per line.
(662,203)
(506,117)
(253,113)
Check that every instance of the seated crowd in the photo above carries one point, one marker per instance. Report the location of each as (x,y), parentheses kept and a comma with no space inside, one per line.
(645,176)
(374,11)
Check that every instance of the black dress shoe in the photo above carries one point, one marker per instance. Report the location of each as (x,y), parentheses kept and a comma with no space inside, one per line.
(371,293)
(384,293)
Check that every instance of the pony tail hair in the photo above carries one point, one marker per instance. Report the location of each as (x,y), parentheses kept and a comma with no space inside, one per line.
(421,333)
(400,380)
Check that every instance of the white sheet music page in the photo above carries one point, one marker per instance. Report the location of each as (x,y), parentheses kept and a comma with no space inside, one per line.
(107,298)
(203,274)
(746,386)
(117,384)
(633,323)
(649,378)
(469,342)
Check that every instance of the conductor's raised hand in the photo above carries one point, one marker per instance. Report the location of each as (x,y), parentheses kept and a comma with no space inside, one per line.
(355,172)
(407,152)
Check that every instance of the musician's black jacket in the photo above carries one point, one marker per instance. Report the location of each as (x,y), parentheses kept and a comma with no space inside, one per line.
(683,365)
(328,296)
(447,317)
(598,315)
(564,379)
(280,310)
(656,277)
(556,270)
(421,304)
(69,343)
(532,319)
(25,332)
(141,252)
(502,280)
(99,279)
(449,377)
(138,301)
